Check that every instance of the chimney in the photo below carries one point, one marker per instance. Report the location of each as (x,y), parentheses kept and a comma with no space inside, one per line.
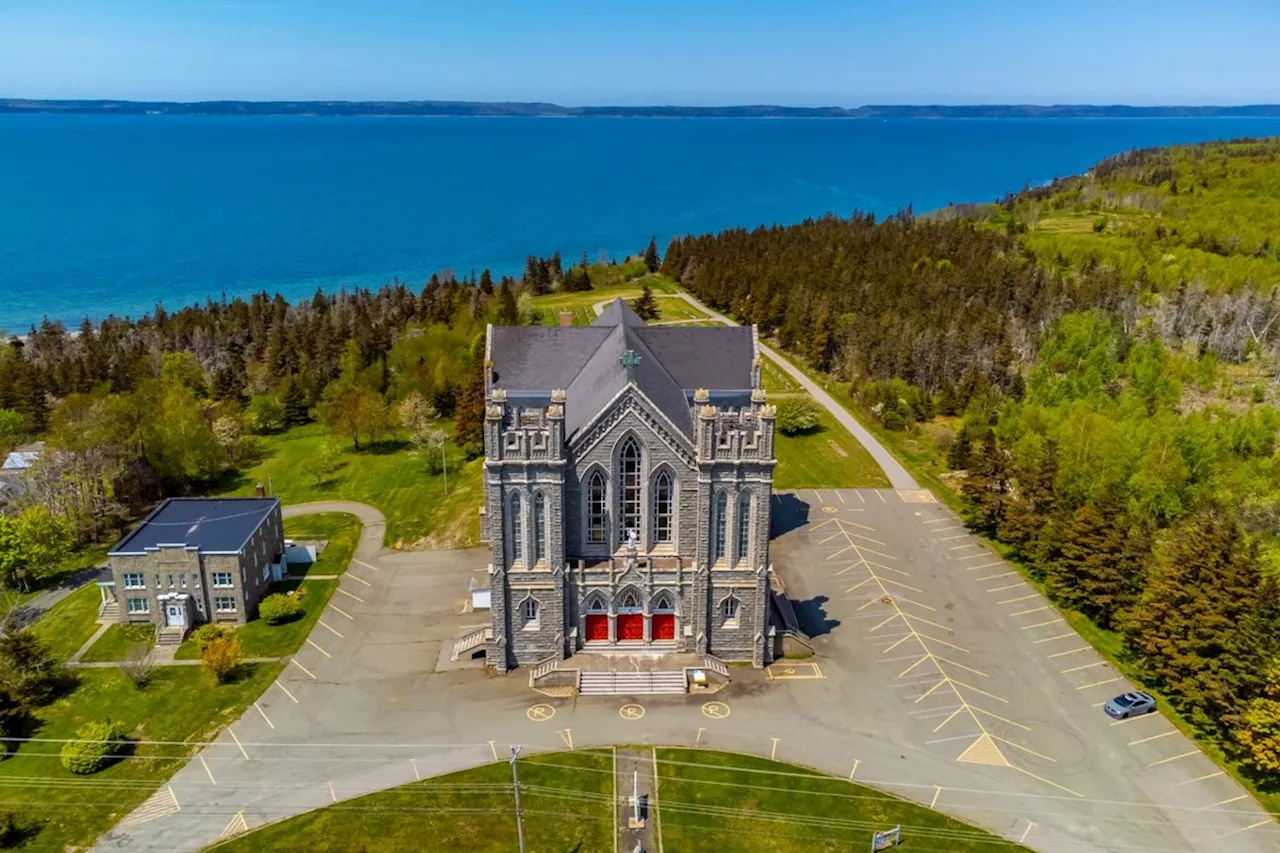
(566,318)
(260,490)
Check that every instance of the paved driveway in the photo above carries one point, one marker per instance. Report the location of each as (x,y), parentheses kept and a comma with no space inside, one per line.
(941,677)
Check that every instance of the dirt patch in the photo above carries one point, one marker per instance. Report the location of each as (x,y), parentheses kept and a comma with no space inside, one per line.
(836,448)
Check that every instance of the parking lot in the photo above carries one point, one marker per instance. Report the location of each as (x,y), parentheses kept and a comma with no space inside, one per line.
(905,603)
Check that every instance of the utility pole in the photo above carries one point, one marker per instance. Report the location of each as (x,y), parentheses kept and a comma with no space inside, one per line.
(445,459)
(515,785)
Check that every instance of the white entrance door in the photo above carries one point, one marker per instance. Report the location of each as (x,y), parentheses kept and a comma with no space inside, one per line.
(175,615)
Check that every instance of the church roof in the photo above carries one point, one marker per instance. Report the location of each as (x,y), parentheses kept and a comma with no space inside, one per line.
(586,361)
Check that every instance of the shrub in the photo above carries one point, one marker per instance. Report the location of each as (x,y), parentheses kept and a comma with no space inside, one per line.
(797,416)
(207,633)
(94,747)
(222,657)
(278,609)
(137,665)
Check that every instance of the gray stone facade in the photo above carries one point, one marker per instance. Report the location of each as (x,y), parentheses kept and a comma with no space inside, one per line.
(628,524)
(172,582)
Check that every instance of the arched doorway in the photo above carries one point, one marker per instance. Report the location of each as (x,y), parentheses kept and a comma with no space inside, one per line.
(597,620)
(663,620)
(630,618)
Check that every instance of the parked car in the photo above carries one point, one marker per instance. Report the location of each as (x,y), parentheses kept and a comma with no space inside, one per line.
(1130,705)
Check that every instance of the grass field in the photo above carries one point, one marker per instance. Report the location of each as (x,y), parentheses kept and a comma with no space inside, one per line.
(181,703)
(261,640)
(567,809)
(388,476)
(118,640)
(341,530)
(714,802)
(824,457)
(581,302)
(774,380)
(69,624)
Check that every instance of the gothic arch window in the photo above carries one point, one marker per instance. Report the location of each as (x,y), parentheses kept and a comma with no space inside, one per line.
(729,611)
(539,528)
(719,520)
(530,611)
(629,488)
(663,603)
(596,508)
(629,602)
(596,604)
(744,527)
(663,508)
(517,529)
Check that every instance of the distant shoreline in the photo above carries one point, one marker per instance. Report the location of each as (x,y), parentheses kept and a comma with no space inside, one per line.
(481,109)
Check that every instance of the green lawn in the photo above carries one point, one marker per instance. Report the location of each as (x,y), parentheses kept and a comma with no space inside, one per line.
(388,476)
(773,379)
(582,303)
(181,703)
(260,640)
(824,457)
(714,802)
(340,529)
(69,624)
(567,809)
(118,640)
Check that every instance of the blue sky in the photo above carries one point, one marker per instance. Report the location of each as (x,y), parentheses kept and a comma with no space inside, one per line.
(646,51)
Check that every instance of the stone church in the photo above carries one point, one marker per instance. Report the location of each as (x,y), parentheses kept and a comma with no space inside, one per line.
(628,483)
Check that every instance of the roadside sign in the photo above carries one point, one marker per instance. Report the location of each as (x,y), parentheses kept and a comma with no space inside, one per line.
(885,840)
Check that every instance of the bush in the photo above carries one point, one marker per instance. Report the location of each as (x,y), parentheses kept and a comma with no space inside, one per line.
(222,657)
(797,416)
(279,608)
(94,747)
(207,633)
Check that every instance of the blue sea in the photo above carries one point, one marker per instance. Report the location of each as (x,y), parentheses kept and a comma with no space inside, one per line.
(113,214)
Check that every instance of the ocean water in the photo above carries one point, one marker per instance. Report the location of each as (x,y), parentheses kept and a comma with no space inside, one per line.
(113,214)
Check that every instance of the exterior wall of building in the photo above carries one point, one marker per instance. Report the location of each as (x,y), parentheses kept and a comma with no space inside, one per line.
(186,571)
(732,453)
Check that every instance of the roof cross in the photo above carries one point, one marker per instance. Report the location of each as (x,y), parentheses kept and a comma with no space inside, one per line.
(630,361)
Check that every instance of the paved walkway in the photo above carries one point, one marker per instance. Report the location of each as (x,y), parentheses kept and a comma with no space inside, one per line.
(898,476)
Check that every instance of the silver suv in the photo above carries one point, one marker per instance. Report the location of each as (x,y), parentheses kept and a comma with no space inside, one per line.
(1130,705)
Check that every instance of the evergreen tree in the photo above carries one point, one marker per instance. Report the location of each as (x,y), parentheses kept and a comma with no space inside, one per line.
(646,307)
(486,282)
(1098,568)
(1029,521)
(468,425)
(1201,625)
(987,485)
(508,312)
(28,670)
(651,259)
(960,451)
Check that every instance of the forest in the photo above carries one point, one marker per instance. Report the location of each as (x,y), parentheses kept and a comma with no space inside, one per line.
(1089,365)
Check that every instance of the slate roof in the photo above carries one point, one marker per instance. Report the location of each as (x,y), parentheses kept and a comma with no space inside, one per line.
(531,361)
(212,525)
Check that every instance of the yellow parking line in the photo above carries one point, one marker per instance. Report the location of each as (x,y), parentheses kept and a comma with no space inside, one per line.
(995,577)
(366,565)
(358,578)
(916,603)
(294,661)
(1153,737)
(1002,588)
(975,556)
(966,545)
(1032,610)
(1021,598)
(1225,802)
(1070,652)
(1247,828)
(317,648)
(1148,716)
(1085,666)
(951,538)
(1038,624)
(349,595)
(1099,684)
(1173,758)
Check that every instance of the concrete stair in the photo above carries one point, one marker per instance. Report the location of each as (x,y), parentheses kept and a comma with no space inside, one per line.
(170,636)
(631,683)
(109,612)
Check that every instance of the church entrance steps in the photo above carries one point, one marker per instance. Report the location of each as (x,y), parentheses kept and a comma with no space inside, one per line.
(560,691)
(632,683)
(470,642)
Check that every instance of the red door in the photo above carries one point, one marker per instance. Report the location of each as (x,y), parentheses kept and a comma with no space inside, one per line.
(630,626)
(664,626)
(598,627)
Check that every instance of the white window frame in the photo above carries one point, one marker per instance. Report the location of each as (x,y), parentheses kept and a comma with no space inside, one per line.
(530,612)
(597,508)
(730,609)
(719,527)
(743,528)
(127,577)
(230,584)
(219,600)
(131,609)
(664,492)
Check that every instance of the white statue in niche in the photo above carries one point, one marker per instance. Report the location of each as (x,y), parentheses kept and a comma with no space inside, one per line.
(633,538)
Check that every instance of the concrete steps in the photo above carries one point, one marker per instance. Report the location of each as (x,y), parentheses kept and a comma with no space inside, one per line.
(170,636)
(109,612)
(631,683)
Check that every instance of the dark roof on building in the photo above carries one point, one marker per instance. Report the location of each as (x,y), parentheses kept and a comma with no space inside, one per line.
(212,525)
(585,361)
